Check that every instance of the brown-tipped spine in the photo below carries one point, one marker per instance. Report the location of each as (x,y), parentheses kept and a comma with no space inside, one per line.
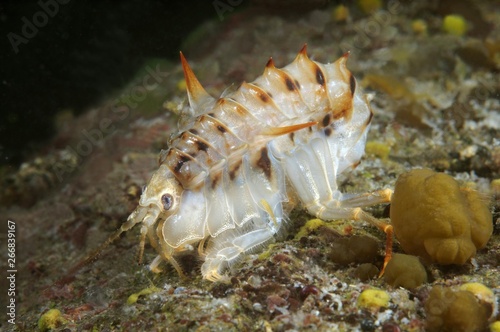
(196,93)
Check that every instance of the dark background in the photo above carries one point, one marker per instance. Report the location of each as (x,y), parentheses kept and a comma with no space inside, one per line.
(81,54)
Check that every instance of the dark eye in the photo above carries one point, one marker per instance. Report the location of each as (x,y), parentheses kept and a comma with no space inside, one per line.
(167,200)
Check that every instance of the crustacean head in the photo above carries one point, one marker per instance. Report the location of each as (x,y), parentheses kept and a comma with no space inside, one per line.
(160,196)
(160,199)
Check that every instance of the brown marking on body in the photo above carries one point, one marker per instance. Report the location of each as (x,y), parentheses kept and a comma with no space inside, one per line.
(291,135)
(368,121)
(297,84)
(215,179)
(327,119)
(328,131)
(289,84)
(370,117)
(263,97)
(353,166)
(269,94)
(214,121)
(264,162)
(200,143)
(270,63)
(320,78)
(256,91)
(346,109)
(341,114)
(198,186)
(303,50)
(202,146)
(180,162)
(234,170)
(221,128)
(241,110)
(352,84)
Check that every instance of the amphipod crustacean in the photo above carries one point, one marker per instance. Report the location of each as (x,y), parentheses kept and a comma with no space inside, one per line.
(225,180)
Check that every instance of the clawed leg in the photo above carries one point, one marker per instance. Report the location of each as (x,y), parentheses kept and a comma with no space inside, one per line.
(350,208)
(201,247)
(154,266)
(167,253)
(386,228)
(378,197)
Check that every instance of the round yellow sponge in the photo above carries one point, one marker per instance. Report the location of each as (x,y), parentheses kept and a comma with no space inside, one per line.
(373,299)
(436,219)
(454,310)
(405,271)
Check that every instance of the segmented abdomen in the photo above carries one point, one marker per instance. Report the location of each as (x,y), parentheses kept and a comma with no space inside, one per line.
(225,129)
(232,160)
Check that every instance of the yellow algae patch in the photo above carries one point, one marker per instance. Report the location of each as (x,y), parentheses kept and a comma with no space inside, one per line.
(495,187)
(419,26)
(266,254)
(393,86)
(378,149)
(369,6)
(373,298)
(340,13)
(495,326)
(146,291)
(455,25)
(50,320)
(479,290)
(310,226)
(181,85)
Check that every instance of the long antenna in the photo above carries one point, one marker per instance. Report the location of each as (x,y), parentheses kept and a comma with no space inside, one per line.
(134,218)
(90,258)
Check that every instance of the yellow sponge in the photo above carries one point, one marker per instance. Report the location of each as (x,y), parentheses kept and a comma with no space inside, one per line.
(436,219)
(454,310)
(50,320)
(455,25)
(405,271)
(373,299)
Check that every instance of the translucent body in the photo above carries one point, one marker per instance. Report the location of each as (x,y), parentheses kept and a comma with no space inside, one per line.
(227,177)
